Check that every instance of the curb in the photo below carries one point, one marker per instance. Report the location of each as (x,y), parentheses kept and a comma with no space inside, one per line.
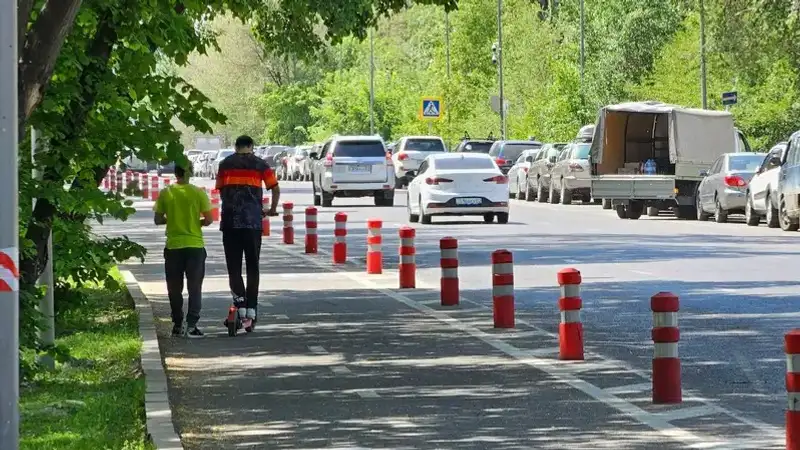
(159,425)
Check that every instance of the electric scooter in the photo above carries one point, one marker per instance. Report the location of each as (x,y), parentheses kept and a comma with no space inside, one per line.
(236,323)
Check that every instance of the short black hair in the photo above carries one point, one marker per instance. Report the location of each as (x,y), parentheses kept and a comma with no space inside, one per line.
(244,142)
(180,170)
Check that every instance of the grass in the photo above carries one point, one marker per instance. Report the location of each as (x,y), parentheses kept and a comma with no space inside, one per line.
(96,400)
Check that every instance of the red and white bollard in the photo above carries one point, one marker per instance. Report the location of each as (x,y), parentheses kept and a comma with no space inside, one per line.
(119,186)
(107,180)
(666,364)
(128,179)
(374,241)
(155,188)
(340,238)
(167,181)
(265,229)
(215,202)
(288,223)
(570,330)
(503,289)
(449,292)
(137,182)
(791,345)
(407,269)
(311,230)
(145,186)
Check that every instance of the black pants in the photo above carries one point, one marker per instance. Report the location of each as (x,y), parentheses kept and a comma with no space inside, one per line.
(248,243)
(189,263)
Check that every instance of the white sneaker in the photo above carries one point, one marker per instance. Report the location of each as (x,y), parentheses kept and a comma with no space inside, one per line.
(242,313)
(251,313)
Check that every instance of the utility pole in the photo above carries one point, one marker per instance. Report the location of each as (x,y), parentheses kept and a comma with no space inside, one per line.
(500,68)
(583,22)
(703,92)
(447,41)
(371,83)
(9,229)
(47,334)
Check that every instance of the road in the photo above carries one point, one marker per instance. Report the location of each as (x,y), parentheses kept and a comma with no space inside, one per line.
(736,285)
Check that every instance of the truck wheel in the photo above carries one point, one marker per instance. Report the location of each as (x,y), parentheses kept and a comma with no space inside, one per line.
(635,210)
(686,212)
(622,213)
(606,203)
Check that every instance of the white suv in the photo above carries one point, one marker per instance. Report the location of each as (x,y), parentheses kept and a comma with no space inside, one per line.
(409,153)
(352,166)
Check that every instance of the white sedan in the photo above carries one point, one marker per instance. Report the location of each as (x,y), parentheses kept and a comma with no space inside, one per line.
(458,184)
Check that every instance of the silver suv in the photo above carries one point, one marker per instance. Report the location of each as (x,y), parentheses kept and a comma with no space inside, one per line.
(352,166)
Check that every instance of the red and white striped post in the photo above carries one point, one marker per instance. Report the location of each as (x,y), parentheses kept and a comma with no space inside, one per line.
(374,252)
(214,204)
(107,180)
(288,223)
(137,182)
(167,181)
(340,238)
(311,230)
(265,229)
(119,186)
(449,292)
(145,186)
(666,364)
(407,269)
(155,188)
(791,345)
(128,179)
(503,289)
(570,330)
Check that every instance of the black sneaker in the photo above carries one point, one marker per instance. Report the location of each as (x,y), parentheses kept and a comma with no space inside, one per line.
(194,333)
(178,330)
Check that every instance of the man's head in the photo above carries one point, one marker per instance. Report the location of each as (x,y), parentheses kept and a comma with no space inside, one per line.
(183,173)
(244,144)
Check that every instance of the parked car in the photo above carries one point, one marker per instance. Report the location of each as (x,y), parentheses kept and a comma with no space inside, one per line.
(469,145)
(724,187)
(518,174)
(571,176)
(789,185)
(352,166)
(762,191)
(204,163)
(222,154)
(539,173)
(505,153)
(453,184)
(298,164)
(409,153)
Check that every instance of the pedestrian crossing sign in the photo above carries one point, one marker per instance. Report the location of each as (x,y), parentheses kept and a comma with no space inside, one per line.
(430,108)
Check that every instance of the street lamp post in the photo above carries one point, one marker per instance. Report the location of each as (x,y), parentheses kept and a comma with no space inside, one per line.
(703,92)
(499,54)
(371,83)
(447,41)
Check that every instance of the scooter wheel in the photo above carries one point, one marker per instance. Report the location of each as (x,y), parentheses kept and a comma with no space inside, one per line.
(251,328)
(231,327)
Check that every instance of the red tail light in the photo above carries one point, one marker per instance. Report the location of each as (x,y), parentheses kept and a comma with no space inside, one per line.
(735,181)
(500,161)
(328,160)
(402,157)
(499,179)
(575,167)
(435,181)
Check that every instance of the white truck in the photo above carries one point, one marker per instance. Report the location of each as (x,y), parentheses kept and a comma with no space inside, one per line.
(682,142)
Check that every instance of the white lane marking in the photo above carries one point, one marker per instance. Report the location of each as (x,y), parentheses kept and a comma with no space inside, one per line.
(298,331)
(430,302)
(541,352)
(317,349)
(630,388)
(641,272)
(749,372)
(266,304)
(282,317)
(340,370)
(686,413)
(649,419)
(367,393)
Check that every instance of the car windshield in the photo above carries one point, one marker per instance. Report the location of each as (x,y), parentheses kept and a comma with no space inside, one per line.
(582,151)
(512,151)
(224,153)
(477,147)
(425,145)
(745,163)
(463,163)
(359,149)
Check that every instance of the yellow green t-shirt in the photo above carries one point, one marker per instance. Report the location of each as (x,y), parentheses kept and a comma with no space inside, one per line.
(183,204)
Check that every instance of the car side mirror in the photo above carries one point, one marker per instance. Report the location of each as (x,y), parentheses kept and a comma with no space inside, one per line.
(703,173)
(775,161)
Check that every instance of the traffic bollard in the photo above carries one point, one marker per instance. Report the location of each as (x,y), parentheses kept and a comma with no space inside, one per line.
(666,364)
(155,188)
(136,183)
(791,346)
(570,330)
(107,180)
(407,269)
(311,230)
(215,201)
(119,188)
(288,223)
(128,180)
(265,229)
(167,181)
(340,238)
(374,252)
(503,289)
(448,287)
(145,187)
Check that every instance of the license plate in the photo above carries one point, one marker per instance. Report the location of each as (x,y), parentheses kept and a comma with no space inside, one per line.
(359,168)
(469,201)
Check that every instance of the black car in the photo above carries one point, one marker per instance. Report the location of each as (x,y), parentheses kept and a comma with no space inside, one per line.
(506,153)
(469,145)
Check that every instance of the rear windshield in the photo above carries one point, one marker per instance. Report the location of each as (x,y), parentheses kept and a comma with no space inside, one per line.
(425,145)
(463,163)
(363,149)
(224,154)
(582,151)
(512,151)
(747,163)
(477,147)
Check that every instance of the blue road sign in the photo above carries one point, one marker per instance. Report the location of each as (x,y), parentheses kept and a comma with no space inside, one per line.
(430,109)
(730,98)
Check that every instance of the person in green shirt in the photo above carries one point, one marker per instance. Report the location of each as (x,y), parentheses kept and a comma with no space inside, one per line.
(184,209)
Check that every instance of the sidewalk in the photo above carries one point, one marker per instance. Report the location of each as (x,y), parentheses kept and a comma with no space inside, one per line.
(335,365)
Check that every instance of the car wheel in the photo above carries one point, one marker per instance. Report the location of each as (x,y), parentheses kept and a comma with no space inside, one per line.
(413,218)
(565,194)
(327,199)
(521,194)
(552,195)
(317,200)
(750,216)
(606,203)
(530,195)
(772,214)
(488,218)
(425,219)
(502,218)
(701,214)
(541,193)
(511,194)
(787,224)
(720,214)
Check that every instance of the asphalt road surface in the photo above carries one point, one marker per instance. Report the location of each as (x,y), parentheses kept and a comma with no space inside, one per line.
(462,384)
